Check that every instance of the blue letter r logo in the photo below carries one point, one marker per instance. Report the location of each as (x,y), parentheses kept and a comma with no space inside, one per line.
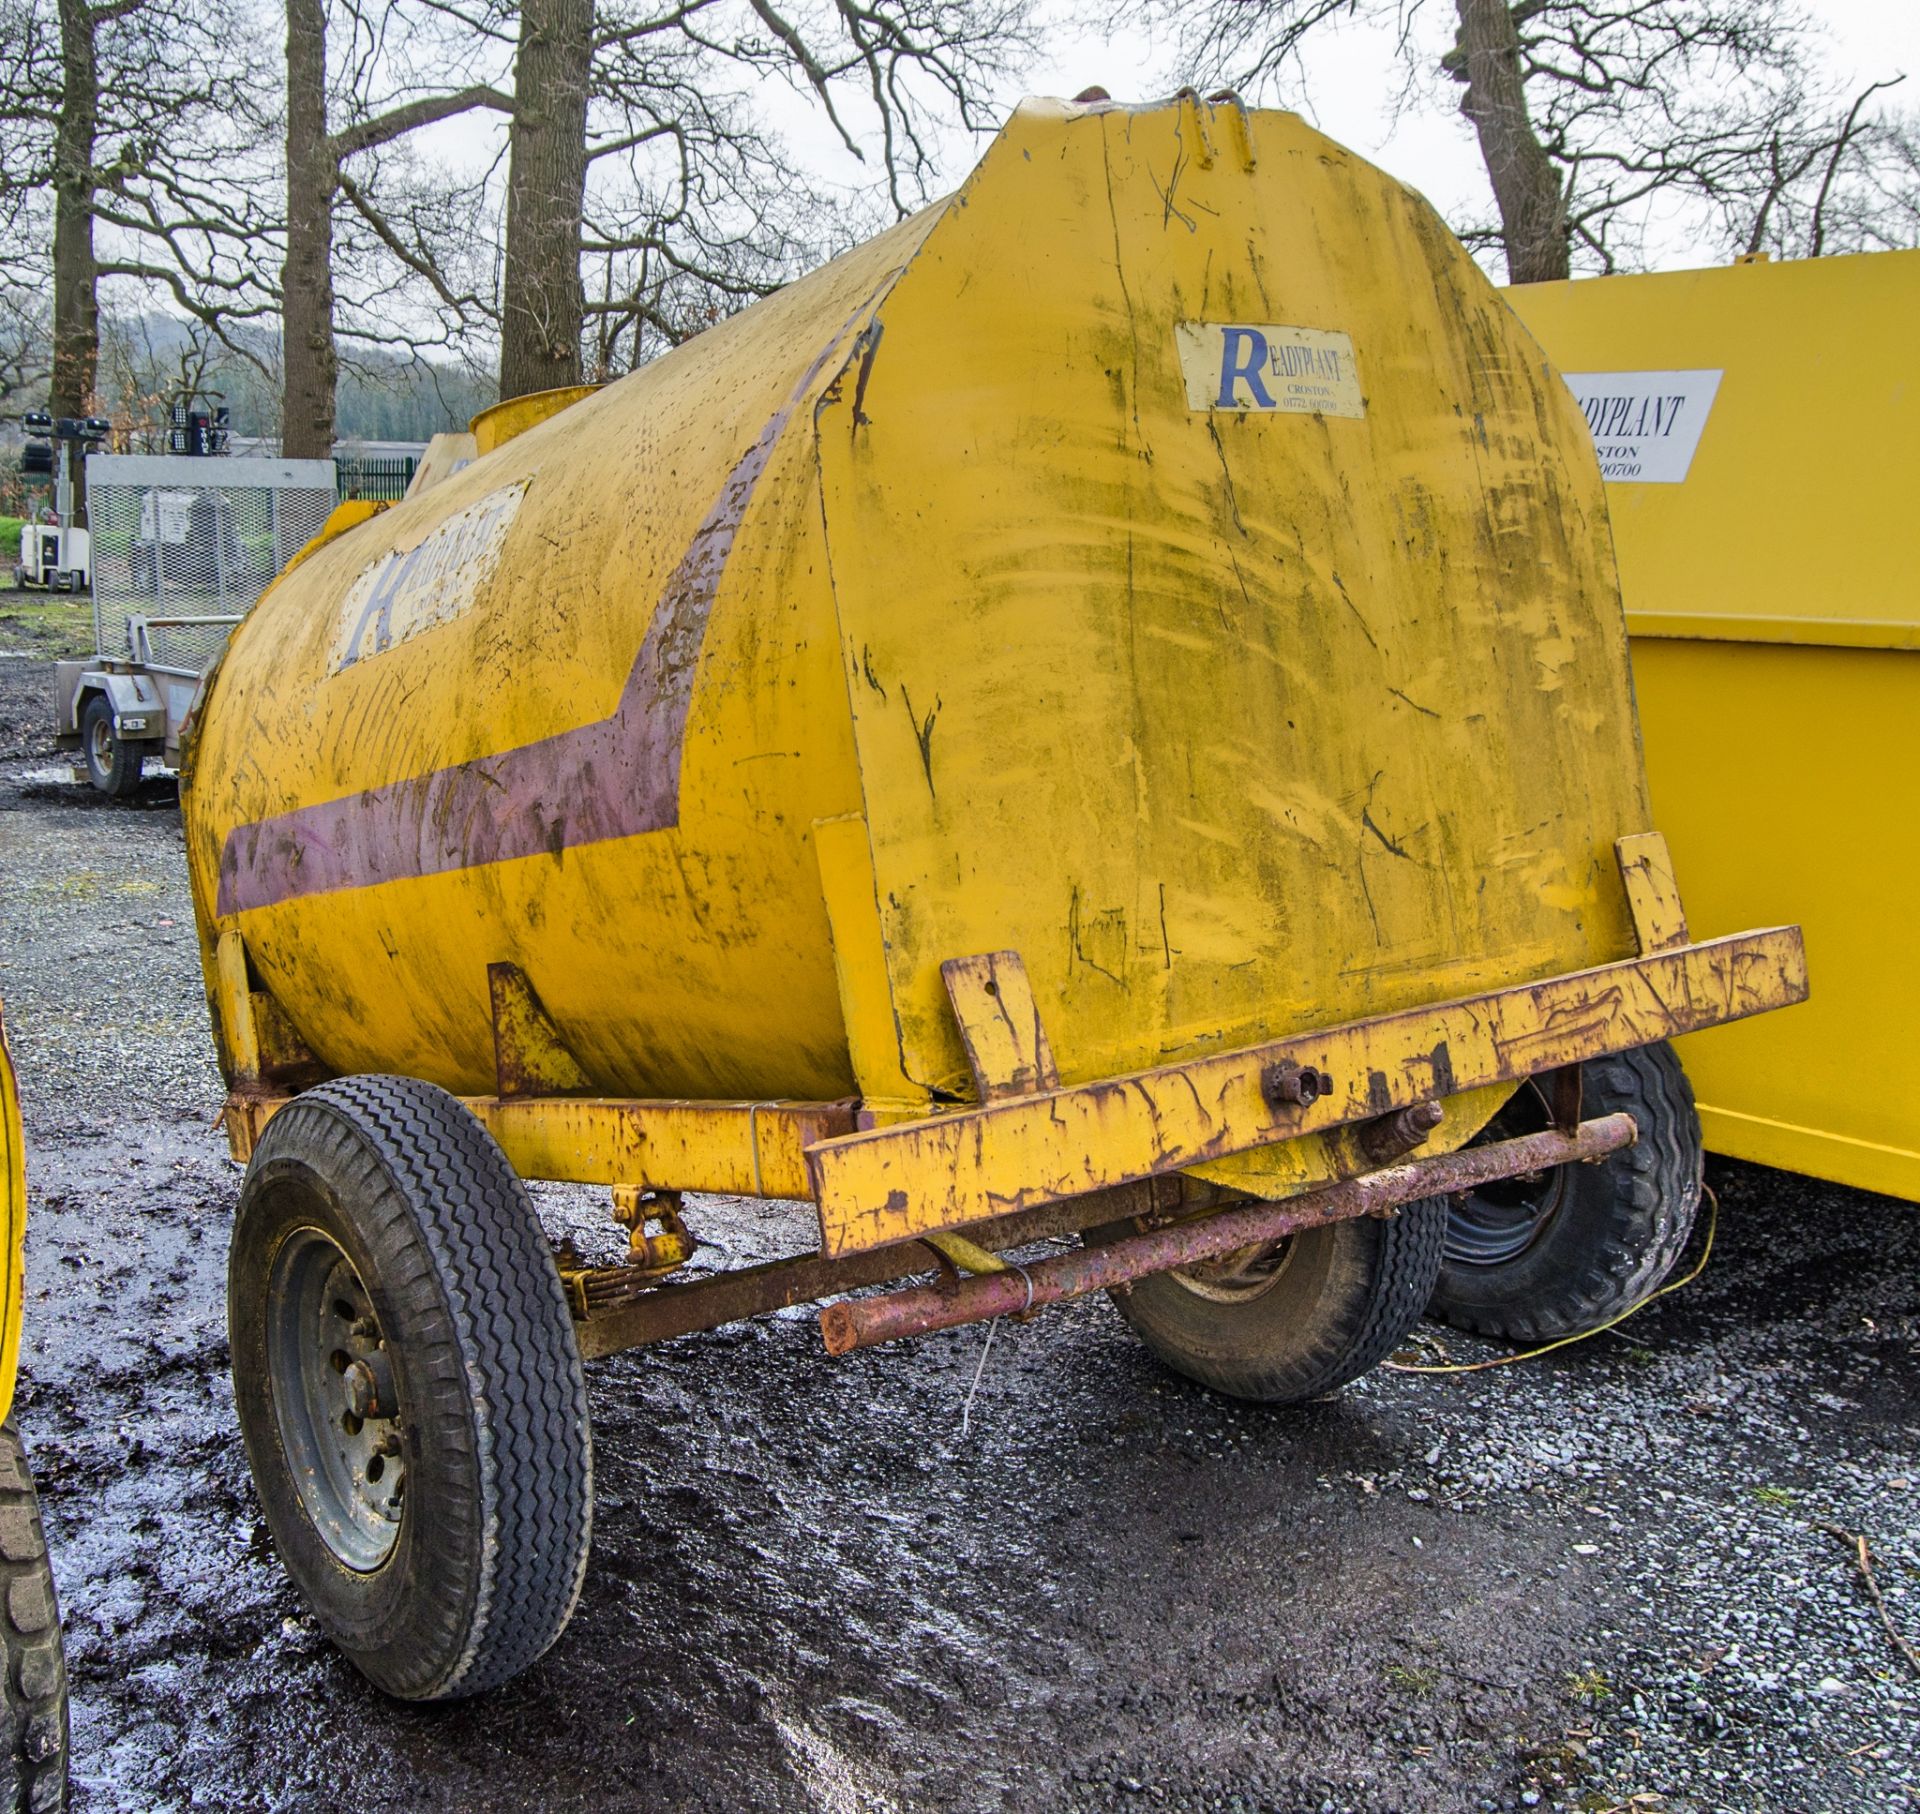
(1243,352)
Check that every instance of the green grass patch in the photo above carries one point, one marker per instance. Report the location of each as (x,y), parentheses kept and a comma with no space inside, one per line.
(1589,1684)
(10,527)
(53,624)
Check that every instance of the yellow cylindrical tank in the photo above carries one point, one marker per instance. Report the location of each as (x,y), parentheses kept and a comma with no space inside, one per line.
(1166,557)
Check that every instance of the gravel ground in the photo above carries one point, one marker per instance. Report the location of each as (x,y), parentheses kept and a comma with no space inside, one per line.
(1606,1579)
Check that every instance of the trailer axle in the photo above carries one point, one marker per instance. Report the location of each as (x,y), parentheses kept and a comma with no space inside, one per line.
(865,1322)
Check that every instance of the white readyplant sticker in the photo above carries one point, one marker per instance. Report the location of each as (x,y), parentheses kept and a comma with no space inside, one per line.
(1281,370)
(404,593)
(1645,425)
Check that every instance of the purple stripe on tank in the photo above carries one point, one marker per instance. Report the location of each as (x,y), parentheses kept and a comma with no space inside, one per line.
(610,779)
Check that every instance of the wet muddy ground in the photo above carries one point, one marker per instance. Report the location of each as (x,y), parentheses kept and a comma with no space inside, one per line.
(1598,1580)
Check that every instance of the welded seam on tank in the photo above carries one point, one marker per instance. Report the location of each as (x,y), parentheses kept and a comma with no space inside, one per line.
(614,778)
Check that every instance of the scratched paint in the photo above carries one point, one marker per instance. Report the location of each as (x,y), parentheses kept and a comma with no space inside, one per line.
(404,593)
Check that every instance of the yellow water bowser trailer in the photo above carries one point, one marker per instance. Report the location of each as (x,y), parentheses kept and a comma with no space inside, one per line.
(1103,712)
(1759,431)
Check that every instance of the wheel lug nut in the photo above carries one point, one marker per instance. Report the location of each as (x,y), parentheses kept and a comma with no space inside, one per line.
(368,1383)
(358,1380)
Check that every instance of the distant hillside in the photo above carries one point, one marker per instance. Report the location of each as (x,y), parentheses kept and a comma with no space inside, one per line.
(381,397)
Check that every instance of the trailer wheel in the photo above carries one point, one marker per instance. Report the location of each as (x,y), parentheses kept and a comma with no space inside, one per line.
(1295,1319)
(34,1694)
(409,1387)
(1562,1251)
(113,764)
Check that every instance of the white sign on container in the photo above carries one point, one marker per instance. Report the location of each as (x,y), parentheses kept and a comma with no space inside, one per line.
(1646,425)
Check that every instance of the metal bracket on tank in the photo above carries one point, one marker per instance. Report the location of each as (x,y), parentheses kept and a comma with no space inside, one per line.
(530,1057)
(1193,109)
(1000,1025)
(1653,896)
(260,1044)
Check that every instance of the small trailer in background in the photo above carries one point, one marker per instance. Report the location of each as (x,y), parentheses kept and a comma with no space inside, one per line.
(1759,432)
(182,547)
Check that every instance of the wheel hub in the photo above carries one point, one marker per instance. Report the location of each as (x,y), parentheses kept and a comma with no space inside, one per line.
(1238,1277)
(338,1407)
(1498,1222)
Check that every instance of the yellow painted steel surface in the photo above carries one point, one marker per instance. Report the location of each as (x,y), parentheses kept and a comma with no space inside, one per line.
(1776,649)
(496,426)
(446,454)
(936,606)
(13,1183)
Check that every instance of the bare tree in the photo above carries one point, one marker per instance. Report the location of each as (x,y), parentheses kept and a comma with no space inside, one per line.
(635,145)
(388,82)
(121,125)
(542,302)
(1590,114)
(26,346)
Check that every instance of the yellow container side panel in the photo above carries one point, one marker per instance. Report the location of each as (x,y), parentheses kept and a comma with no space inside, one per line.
(690,960)
(1810,458)
(1785,781)
(1776,653)
(1231,723)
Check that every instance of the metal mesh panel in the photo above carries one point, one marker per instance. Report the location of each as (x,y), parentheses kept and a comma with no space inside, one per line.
(190,538)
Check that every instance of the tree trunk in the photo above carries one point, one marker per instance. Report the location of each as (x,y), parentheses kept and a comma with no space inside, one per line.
(308,365)
(1533,220)
(543,303)
(76,314)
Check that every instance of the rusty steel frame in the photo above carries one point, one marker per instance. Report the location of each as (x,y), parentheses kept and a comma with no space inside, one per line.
(659,1312)
(741,1149)
(865,1322)
(1019,1150)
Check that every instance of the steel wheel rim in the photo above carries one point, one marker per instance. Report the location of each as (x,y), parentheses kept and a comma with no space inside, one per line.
(1238,1277)
(100,746)
(1497,1223)
(325,1357)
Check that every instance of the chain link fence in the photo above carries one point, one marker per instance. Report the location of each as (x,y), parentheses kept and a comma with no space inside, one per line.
(189,544)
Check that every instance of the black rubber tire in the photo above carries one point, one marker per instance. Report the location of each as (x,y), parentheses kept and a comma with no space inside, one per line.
(493,1534)
(1344,1300)
(118,775)
(1606,1233)
(34,1698)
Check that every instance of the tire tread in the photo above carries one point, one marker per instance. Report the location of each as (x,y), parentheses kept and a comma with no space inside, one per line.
(34,1692)
(1651,1196)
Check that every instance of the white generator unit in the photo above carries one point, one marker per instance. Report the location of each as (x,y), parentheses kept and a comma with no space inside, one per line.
(52,556)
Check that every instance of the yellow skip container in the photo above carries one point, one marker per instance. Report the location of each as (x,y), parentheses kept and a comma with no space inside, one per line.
(1770,592)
